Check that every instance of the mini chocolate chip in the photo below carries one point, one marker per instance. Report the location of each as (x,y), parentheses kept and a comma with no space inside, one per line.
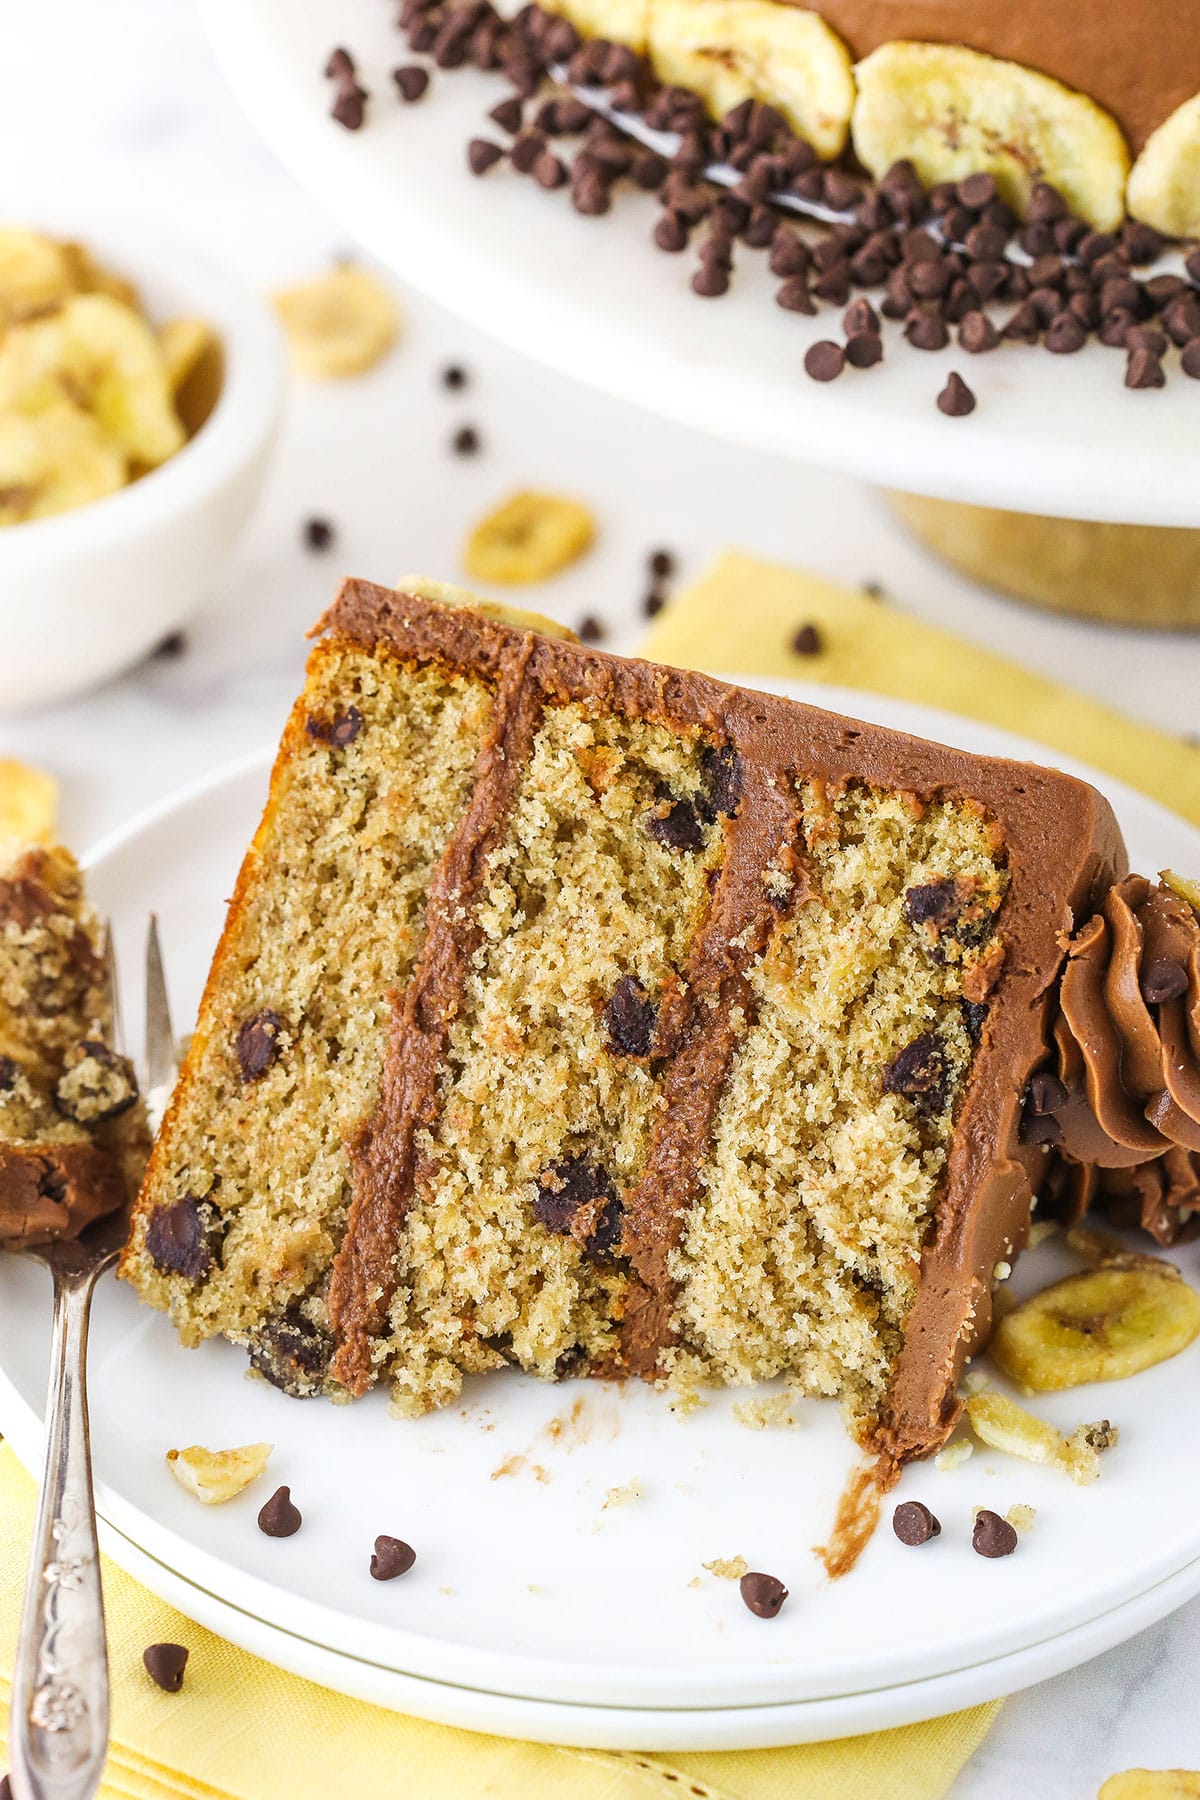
(670,233)
(338,733)
(318,534)
(793,296)
(806,641)
(340,65)
(763,1594)
(605,1236)
(653,604)
(465,441)
(679,827)
(629,1018)
(992,1536)
(591,631)
(6,1792)
(549,171)
(974,1012)
(392,1557)
(926,330)
(454,377)
(976,191)
(1143,370)
(482,155)
(710,282)
(177,1238)
(1038,1128)
(824,360)
(257,1044)
(790,255)
(1065,335)
(864,350)
(1189,360)
(1142,244)
(166,650)
(913,1523)
(919,1073)
(1045,203)
(860,317)
(411,81)
(165,1664)
(1047,1093)
(1163,979)
(9,1070)
(661,564)
(932,903)
(508,115)
(956,399)
(566,1186)
(349,108)
(279,1518)
(1146,337)
(1024,327)
(722,769)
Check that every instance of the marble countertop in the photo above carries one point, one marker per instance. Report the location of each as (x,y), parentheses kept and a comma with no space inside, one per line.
(122,107)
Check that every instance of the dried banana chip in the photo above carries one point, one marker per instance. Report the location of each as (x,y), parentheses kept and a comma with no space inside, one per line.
(734,50)
(954,112)
(1183,886)
(91,277)
(1152,1784)
(214,1476)
(53,462)
(28,804)
(102,357)
(1001,1423)
(338,324)
(1164,183)
(527,538)
(183,342)
(1098,1326)
(35,272)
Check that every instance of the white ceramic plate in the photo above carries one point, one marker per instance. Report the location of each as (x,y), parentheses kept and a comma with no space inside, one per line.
(593,299)
(527,1584)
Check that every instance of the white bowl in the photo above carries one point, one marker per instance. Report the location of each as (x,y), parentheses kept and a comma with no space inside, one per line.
(87,593)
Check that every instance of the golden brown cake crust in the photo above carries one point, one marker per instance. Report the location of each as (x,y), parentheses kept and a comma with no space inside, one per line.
(1139,60)
(1062,850)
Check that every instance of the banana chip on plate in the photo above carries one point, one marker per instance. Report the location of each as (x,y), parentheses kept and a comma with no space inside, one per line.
(528,538)
(340,323)
(28,804)
(215,1476)
(1101,1325)
(1164,184)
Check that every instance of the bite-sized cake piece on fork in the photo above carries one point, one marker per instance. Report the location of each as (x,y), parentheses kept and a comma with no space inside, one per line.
(595,1017)
(73,1132)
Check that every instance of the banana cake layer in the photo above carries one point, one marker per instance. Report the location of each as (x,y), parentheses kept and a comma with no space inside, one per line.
(596,1017)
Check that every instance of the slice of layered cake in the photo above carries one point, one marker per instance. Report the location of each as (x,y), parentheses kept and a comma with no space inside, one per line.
(594,1017)
(73,1133)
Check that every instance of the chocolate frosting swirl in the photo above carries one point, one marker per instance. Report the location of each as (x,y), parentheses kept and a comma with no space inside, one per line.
(1127,1050)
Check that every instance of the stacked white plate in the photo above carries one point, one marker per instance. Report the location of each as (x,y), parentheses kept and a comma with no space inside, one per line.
(560,1590)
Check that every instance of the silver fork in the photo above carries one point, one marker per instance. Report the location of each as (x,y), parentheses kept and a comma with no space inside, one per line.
(58,1721)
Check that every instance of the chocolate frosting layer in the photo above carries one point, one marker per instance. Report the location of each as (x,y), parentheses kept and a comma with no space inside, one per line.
(1062,848)
(1127,1053)
(1139,60)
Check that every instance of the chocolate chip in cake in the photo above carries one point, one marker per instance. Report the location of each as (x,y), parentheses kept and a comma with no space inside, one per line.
(179,1238)
(318,534)
(165,1664)
(482,155)
(454,377)
(291,1352)
(932,903)
(974,1012)
(9,1070)
(568,1185)
(721,767)
(630,1017)
(956,399)
(1163,979)
(806,641)
(919,1073)
(279,1518)
(678,827)
(337,732)
(411,81)
(992,1536)
(604,1239)
(572,1362)
(763,1594)
(824,360)
(913,1523)
(392,1557)
(466,441)
(96,1084)
(257,1046)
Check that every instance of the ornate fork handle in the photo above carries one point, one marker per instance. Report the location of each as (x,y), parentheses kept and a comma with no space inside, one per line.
(59,1716)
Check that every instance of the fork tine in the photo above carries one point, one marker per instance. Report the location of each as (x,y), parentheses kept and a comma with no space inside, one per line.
(162,1052)
(117,1028)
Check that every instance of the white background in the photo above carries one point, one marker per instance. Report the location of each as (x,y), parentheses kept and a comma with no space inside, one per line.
(121,104)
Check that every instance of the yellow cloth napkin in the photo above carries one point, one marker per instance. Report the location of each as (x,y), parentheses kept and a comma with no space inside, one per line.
(244,1730)
(741,617)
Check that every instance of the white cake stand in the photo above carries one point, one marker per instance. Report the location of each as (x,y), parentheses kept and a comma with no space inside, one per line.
(592,298)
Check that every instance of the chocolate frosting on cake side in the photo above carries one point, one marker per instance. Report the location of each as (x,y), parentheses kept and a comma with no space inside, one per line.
(1063,851)
(1139,60)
